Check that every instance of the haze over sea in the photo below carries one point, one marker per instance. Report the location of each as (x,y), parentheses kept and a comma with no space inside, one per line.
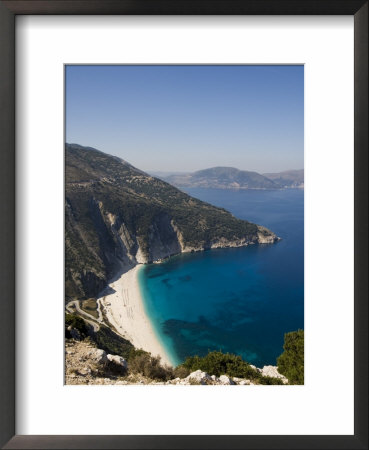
(238,300)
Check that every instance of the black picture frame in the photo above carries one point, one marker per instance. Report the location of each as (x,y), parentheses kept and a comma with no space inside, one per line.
(8,11)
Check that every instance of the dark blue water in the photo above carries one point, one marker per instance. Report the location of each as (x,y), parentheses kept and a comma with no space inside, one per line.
(236,300)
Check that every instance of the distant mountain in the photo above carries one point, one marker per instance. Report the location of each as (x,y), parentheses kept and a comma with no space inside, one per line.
(222,178)
(231,178)
(117,216)
(288,178)
(164,174)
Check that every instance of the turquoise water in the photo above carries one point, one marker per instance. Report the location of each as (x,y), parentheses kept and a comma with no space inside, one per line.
(236,300)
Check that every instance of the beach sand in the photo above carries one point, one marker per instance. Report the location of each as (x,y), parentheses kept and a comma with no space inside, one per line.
(125,311)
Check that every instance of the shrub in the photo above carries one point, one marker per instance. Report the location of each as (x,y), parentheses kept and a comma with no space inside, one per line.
(218,363)
(270,380)
(75,322)
(149,366)
(291,362)
(136,352)
(181,372)
(109,341)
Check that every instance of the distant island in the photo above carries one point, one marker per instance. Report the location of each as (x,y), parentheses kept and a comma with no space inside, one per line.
(288,178)
(232,178)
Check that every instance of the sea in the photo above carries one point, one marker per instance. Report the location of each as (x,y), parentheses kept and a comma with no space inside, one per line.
(237,300)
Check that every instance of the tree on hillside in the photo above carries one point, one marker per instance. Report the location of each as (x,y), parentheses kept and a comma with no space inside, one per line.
(291,362)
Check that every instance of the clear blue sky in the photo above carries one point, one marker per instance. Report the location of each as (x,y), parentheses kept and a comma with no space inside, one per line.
(186,118)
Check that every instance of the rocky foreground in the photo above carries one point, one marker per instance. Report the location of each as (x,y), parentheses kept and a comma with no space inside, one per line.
(86,364)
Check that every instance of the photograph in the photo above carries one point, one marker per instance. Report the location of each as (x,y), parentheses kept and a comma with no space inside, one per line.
(184,225)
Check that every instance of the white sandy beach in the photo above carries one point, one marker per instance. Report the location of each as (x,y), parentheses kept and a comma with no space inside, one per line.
(125,311)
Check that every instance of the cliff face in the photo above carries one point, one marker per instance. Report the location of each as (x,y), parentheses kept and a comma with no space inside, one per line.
(117,216)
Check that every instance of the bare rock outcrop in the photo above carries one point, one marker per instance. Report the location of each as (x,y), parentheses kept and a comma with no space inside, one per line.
(118,361)
(272,371)
(224,379)
(199,377)
(98,356)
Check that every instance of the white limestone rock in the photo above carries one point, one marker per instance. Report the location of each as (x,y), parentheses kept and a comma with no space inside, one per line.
(272,371)
(245,383)
(98,356)
(241,381)
(118,360)
(85,371)
(199,377)
(225,380)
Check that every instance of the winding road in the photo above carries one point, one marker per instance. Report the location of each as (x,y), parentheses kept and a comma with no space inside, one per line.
(95,323)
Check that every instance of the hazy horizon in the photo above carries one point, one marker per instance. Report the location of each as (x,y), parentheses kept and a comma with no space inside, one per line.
(189,118)
(204,168)
(167,172)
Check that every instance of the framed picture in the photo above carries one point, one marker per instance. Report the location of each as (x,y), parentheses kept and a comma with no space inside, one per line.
(139,135)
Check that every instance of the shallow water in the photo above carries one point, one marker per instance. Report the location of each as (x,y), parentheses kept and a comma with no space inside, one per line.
(236,300)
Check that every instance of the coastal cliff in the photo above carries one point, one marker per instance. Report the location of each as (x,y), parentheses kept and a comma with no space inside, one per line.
(117,216)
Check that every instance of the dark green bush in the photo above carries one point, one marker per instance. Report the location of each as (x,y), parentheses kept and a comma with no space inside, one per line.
(269,380)
(136,352)
(291,361)
(76,322)
(109,341)
(218,363)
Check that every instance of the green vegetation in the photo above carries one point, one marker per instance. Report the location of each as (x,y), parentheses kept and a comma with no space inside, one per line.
(142,362)
(109,341)
(269,380)
(291,361)
(104,338)
(181,372)
(100,187)
(145,364)
(75,322)
(218,363)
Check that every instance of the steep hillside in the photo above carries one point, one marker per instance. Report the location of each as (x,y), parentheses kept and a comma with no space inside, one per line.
(117,216)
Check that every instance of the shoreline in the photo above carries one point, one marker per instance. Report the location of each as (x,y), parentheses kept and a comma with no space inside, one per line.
(125,310)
